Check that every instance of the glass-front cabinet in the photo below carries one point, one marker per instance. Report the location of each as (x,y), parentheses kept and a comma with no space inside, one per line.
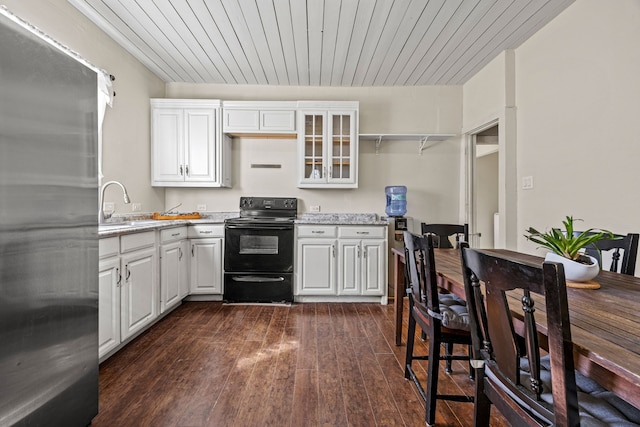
(328,145)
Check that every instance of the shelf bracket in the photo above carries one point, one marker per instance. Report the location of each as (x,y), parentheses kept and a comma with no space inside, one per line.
(378,141)
(423,143)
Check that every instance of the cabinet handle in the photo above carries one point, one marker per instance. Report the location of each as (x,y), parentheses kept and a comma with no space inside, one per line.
(119,277)
(333,250)
(362,232)
(330,173)
(324,171)
(126,267)
(317,231)
(205,232)
(175,234)
(179,254)
(364,253)
(192,250)
(358,251)
(186,169)
(180,170)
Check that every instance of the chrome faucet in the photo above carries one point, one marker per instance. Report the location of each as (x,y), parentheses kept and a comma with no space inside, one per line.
(102,215)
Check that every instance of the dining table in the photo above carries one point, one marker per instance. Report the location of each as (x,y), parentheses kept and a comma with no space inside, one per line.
(605,322)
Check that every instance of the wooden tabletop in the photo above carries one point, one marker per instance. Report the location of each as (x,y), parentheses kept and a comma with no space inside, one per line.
(605,322)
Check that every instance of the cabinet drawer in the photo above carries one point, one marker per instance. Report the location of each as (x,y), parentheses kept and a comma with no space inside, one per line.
(108,247)
(317,231)
(173,234)
(363,232)
(132,242)
(204,231)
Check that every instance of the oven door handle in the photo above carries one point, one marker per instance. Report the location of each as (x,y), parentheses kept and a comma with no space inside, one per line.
(259,227)
(256,279)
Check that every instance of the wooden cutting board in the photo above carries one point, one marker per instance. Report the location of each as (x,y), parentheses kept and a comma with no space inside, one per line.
(189,215)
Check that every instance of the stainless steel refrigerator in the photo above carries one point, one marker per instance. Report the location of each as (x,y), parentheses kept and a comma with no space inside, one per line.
(48,234)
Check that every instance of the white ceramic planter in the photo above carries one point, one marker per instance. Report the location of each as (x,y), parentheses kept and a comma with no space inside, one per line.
(575,271)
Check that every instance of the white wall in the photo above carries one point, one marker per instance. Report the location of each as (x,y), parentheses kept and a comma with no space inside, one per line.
(126,128)
(432,179)
(578,92)
(489,97)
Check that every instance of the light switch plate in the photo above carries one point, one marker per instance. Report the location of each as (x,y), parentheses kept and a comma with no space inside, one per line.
(314,208)
(527,182)
(136,207)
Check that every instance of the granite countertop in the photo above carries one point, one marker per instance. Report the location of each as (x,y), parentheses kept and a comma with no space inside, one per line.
(124,224)
(341,219)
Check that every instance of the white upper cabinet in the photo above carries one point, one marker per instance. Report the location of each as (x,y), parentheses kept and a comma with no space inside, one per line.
(327,144)
(188,148)
(259,117)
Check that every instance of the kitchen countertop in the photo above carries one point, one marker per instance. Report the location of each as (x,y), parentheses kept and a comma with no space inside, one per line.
(134,223)
(341,219)
(125,224)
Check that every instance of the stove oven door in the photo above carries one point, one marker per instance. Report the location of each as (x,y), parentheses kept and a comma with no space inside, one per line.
(260,248)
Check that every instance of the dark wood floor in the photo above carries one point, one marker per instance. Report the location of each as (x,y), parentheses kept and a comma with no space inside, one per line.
(209,364)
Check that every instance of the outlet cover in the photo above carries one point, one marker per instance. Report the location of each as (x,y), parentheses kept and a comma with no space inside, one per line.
(201,207)
(527,182)
(136,207)
(314,208)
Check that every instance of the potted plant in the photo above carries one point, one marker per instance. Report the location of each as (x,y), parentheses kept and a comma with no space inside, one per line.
(567,246)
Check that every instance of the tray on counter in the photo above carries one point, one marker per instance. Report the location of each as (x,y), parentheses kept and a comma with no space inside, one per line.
(187,215)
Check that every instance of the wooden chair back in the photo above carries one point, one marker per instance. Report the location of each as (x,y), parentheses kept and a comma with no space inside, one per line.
(420,273)
(442,232)
(501,350)
(628,244)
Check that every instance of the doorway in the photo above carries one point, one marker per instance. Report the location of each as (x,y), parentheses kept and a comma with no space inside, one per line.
(482,186)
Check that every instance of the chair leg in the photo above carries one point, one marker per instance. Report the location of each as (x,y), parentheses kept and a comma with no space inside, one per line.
(448,352)
(411,332)
(472,372)
(432,381)
(482,405)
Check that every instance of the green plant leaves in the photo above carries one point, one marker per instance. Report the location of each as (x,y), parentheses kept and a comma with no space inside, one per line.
(568,243)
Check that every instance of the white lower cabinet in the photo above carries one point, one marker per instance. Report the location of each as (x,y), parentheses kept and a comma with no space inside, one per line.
(139,292)
(316,264)
(341,261)
(206,251)
(362,267)
(174,284)
(108,303)
(128,288)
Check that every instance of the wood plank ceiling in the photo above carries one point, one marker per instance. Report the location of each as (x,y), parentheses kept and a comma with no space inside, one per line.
(319,42)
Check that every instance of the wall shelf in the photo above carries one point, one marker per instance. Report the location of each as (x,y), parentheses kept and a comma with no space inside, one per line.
(422,139)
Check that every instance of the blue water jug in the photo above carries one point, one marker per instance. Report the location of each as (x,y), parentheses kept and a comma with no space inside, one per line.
(396,200)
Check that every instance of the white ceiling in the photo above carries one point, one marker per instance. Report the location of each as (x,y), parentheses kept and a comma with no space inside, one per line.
(319,42)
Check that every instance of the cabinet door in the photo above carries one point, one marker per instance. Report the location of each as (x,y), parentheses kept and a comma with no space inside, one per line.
(241,120)
(312,148)
(374,267)
(206,266)
(139,298)
(168,145)
(201,157)
(184,268)
(108,305)
(342,148)
(170,275)
(349,267)
(316,260)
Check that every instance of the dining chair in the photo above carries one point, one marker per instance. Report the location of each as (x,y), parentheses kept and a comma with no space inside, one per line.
(629,246)
(443,318)
(529,389)
(442,233)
